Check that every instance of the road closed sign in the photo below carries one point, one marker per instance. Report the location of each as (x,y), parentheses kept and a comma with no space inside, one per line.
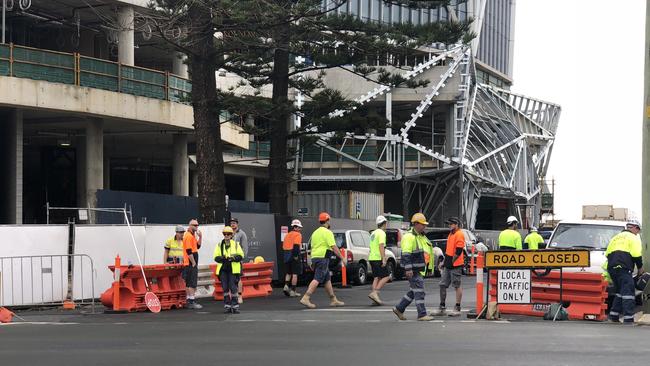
(537,259)
(513,286)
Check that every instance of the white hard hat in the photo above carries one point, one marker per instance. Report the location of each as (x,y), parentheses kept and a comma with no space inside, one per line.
(511,219)
(296,223)
(533,229)
(380,220)
(634,222)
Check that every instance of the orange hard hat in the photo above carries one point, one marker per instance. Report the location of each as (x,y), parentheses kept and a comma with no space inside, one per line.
(323,216)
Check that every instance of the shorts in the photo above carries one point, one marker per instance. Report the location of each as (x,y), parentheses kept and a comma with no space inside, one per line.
(191,276)
(377,270)
(293,267)
(321,270)
(451,277)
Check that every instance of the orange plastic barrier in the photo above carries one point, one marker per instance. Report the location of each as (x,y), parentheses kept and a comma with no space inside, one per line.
(6,315)
(586,292)
(256,280)
(164,280)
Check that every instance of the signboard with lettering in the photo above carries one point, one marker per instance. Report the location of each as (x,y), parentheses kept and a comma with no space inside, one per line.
(513,286)
(537,259)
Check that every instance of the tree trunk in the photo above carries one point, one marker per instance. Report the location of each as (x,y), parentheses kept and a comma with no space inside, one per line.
(209,150)
(279,131)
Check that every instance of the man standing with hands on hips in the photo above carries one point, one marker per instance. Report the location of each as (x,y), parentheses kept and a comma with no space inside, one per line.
(192,240)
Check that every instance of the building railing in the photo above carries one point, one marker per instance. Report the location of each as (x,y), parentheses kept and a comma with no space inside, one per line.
(79,70)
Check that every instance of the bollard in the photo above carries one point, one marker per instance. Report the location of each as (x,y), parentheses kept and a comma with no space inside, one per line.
(471,260)
(344,270)
(116,285)
(479,282)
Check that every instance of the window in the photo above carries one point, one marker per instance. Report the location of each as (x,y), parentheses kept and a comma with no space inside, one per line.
(357,239)
(339,238)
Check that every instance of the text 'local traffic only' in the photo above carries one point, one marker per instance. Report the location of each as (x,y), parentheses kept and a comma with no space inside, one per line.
(513,286)
(537,259)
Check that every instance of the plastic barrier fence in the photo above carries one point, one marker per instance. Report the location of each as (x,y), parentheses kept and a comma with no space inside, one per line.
(256,280)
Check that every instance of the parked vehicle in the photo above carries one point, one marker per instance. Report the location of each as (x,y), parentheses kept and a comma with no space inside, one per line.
(357,248)
(394,244)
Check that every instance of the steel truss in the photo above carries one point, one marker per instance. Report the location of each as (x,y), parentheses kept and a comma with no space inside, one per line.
(501,145)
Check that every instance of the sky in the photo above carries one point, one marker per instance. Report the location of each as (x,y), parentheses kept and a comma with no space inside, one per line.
(588,57)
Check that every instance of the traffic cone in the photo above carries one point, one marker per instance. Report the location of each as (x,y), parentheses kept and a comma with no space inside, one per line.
(5,315)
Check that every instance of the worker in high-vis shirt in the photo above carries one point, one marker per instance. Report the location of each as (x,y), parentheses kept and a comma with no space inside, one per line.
(377,259)
(452,267)
(533,240)
(510,239)
(174,247)
(623,253)
(322,241)
(228,254)
(291,246)
(414,243)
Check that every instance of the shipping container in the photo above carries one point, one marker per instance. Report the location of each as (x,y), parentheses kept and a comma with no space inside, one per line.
(621,214)
(597,212)
(341,204)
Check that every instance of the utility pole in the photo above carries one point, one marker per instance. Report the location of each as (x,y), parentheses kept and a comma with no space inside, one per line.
(645,161)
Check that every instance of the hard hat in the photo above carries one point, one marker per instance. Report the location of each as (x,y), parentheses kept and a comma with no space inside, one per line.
(380,220)
(228,230)
(634,222)
(180,229)
(296,223)
(419,218)
(323,216)
(258,259)
(533,229)
(511,219)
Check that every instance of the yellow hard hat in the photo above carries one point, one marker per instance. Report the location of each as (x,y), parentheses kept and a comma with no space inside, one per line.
(419,218)
(258,259)
(228,230)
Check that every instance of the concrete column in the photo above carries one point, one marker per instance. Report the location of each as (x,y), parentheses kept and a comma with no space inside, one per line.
(94,166)
(195,183)
(179,66)
(15,174)
(249,193)
(107,171)
(80,156)
(181,167)
(125,46)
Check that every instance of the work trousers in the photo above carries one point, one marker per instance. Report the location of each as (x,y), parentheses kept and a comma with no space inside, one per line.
(229,283)
(416,292)
(624,300)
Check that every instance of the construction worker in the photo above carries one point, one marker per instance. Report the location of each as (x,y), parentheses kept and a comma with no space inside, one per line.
(241,238)
(377,259)
(533,240)
(414,244)
(174,247)
(192,240)
(228,254)
(292,263)
(452,267)
(322,241)
(623,253)
(510,239)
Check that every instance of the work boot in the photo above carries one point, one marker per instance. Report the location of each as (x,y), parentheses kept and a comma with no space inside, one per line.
(194,305)
(235,311)
(286,291)
(374,296)
(305,300)
(240,299)
(227,310)
(399,314)
(335,302)
(440,311)
(293,293)
(455,312)
(426,318)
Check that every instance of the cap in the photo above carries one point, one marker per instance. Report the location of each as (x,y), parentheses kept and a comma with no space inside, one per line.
(323,216)
(180,229)
(296,223)
(453,220)
(419,218)
(228,230)
(234,220)
(380,220)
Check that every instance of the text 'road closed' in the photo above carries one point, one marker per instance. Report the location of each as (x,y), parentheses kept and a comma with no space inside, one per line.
(537,259)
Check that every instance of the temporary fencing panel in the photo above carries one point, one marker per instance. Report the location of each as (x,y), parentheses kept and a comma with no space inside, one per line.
(256,280)
(586,292)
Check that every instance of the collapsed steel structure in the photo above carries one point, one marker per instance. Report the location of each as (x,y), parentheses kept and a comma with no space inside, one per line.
(500,142)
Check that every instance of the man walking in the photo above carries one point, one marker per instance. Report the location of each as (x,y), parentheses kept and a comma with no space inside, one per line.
(292,263)
(377,259)
(322,241)
(510,239)
(623,253)
(241,238)
(192,240)
(414,244)
(452,266)
(533,240)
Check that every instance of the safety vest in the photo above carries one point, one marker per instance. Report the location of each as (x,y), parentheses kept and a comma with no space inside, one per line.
(533,240)
(624,248)
(175,247)
(414,246)
(510,238)
(231,251)
(376,238)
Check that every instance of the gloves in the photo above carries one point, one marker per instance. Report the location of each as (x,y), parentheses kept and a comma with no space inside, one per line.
(237,258)
(219,259)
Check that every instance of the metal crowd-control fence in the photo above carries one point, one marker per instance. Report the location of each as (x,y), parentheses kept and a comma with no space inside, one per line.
(47,280)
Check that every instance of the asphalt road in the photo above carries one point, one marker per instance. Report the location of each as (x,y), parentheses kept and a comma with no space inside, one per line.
(278,331)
